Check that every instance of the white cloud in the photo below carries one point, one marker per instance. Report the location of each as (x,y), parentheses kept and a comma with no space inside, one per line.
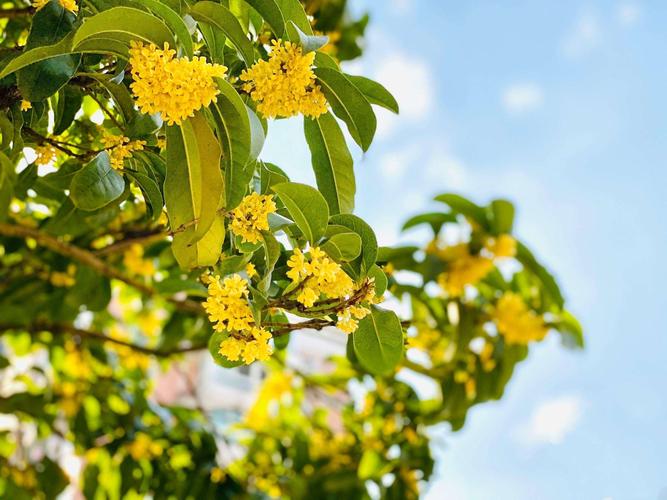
(551,421)
(628,14)
(522,97)
(584,36)
(401,6)
(447,171)
(394,164)
(411,83)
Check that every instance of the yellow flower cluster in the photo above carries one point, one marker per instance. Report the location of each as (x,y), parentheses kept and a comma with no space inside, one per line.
(516,322)
(144,447)
(25,105)
(175,88)
(317,275)
(502,246)
(228,309)
(464,268)
(134,261)
(251,217)
(45,154)
(65,279)
(276,385)
(285,84)
(65,4)
(348,319)
(119,148)
(467,269)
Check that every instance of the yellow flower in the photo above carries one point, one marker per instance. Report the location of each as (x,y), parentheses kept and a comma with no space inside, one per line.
(318,275)
(251,217)
(468,270)
(135,263)
(26,105)
(257,348)
(231,348)
(46,154)
(250,270)
(119,148)
(516,322)
(227,304)
(285,84)
(217,475)
(502,246)
(65,4)
(175,88)
(144,447)
(347,320)
(65,279)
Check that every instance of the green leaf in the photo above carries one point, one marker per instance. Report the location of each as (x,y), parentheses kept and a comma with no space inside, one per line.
(293,11)
(41,80)
(271,255)
(378,342)
(222,18)
(370,465)
(193,186)
(572,333)
(374,92)
(332,162)
(151,192)
(270,175)
(7,180)
(271,13)
(69,103)
(233,126)
(257,134)
(502,217)
(307,207)
(96,184)
(465,207)
(551,289)
(323,60)
(309,43)
(38,54)
(343,247)
(174,21)
(349,104)
(123,24)
(380,280)
(369,245)
(120,94)
(214,346)
(435,219)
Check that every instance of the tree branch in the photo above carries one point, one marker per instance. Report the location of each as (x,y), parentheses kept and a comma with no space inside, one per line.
(16,12)
(92,261)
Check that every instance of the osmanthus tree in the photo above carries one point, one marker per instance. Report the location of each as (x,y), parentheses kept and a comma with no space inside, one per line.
(138,223)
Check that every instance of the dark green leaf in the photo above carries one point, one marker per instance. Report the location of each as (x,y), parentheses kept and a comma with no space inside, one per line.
(378,342)
(96,184)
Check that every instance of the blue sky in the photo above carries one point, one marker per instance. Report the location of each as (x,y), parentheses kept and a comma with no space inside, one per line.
(560,107)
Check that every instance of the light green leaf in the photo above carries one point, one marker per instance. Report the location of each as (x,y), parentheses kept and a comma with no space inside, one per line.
(222,18)
(96,184)
(124,24)
(343,247)
(323,60)
(349,104)
(374,92)
(271,255)
(7,180)
(307,207)
(332,162)
(435,219)
(193,186)
(151,192)
(378,342)
(380,279)
(38,54)
(551,291)
(369,245)
(309,43)
(257,135)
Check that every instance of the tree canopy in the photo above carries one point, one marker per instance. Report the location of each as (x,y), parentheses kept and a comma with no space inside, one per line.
(139,226)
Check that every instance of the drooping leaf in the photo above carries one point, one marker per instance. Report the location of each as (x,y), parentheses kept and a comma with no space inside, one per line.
(309,43)
(349,104)
(332,162)
(465,207)
(193,187)
(374,92)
